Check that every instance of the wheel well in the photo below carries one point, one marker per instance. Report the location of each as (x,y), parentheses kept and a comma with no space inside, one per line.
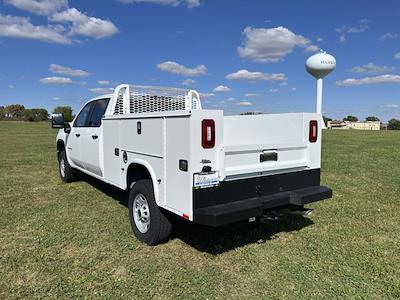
(60,146)
(136,172)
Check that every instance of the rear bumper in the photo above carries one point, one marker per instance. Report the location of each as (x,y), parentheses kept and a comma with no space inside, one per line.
(242,199)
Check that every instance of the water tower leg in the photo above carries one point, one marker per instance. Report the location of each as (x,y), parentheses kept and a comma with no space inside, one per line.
(319,96)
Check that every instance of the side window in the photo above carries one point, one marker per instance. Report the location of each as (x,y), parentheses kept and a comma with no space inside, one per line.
(98,112)
(82,120)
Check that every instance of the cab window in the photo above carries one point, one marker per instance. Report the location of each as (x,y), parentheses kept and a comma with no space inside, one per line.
(82,120)
(98,111)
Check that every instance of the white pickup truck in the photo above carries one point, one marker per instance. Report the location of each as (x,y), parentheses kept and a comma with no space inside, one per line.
(177,158)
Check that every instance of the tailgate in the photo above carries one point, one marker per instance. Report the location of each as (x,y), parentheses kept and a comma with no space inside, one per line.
(269,143)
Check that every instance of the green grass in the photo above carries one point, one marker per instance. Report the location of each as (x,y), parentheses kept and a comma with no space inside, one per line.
(74,240)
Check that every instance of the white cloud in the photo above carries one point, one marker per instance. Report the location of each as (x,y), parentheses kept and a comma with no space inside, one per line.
(175,68)
(206,95)
(22,28)
(387,78)
(39,7)
(192,3)
(103,82)
(255,76)
(188,81)
(10,86)
(312,48)
(397,55)
(244,103)
(56,80)
(101,90)
(293,89)
(56,98)
(344,30)
(271,44)
(283,83)
(251,95)
(173,3)
(371,68)
(390,106)
(388,36)
(274,90)
(58,69)
(85,25)
(222,88)
(57,11)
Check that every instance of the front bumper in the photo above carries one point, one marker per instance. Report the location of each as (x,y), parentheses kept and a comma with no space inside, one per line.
(242,199)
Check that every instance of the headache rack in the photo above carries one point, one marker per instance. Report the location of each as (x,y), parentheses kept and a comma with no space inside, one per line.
(137,99)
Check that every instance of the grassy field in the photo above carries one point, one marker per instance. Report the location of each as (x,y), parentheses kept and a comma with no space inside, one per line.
(74,240)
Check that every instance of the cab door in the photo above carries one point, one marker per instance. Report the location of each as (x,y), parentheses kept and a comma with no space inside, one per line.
(92,139)
(74,142)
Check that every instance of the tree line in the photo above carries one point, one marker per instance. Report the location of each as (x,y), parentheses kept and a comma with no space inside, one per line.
(393,124)
(18,112)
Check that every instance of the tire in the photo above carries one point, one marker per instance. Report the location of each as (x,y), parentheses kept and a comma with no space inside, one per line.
(149,224)
(65,170)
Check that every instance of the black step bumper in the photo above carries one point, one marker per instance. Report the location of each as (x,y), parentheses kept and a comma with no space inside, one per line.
(242,199)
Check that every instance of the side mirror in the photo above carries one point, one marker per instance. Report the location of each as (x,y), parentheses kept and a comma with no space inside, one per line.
(67,127)
(57,121)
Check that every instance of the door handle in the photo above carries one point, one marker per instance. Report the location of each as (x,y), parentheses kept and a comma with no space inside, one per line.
(94,137)
(77,135)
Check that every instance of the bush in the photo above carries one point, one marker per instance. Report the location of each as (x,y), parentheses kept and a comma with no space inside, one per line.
(394,124)
(36,115)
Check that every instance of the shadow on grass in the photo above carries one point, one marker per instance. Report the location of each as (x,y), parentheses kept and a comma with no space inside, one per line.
(215,240)
(222,239)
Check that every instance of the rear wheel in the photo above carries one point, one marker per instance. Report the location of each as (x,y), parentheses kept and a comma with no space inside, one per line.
(149,224)
(66,171)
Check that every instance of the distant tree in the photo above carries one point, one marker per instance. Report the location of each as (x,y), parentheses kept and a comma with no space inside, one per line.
(351,119)
(36,114)
(66,110)
(2,113)
(14,111)
(326,120)
(372,119)
(394,124)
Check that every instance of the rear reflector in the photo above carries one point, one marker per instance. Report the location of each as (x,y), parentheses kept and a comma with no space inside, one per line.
(313,133)
(208,133)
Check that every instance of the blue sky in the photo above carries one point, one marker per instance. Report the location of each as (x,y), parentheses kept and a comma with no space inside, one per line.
(241,55)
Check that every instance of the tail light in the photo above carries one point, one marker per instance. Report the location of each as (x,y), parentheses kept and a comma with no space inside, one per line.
(313,133)
(208,133)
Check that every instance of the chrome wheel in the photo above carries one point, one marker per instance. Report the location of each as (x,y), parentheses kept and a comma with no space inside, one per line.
(62,167)
(141,213)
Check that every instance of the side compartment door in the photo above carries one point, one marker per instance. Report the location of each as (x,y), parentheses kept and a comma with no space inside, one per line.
(74,143)
(92,139)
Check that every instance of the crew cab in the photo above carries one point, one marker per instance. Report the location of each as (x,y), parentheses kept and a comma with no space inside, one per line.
(176,158)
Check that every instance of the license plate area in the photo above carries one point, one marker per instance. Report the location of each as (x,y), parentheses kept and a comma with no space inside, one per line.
(204,180)
(269,156)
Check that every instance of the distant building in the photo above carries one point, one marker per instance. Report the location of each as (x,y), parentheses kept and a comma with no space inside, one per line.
(369,125)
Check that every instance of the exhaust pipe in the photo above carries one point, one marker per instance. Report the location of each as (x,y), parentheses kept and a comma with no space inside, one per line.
(301,211)
(274,215)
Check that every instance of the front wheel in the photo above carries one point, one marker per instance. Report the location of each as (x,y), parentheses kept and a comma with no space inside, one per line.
(65,170)
(149,224)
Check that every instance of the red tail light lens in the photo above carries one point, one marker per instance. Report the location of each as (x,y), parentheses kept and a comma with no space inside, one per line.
(313,133)
(208,133)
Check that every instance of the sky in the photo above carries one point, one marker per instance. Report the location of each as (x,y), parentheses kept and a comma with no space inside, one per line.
(241,55)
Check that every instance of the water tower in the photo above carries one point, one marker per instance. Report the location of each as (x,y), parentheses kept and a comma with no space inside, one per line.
(319,65)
